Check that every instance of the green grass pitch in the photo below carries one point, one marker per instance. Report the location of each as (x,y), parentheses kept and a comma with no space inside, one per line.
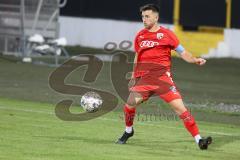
(31,131)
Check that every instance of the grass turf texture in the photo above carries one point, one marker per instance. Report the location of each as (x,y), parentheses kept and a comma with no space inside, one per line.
(30,130)
(216,82)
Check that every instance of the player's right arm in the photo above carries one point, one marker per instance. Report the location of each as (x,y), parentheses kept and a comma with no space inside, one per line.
(132,80)
(136,49)
(134,64)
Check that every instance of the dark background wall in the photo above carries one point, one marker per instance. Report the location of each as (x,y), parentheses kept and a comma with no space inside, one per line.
(116,9)
(193,13)
(236,14)
(202,12)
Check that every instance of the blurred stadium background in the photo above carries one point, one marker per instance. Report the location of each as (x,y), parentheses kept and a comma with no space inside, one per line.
(38,36)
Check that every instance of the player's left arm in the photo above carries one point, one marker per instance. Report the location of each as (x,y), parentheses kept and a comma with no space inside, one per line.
(188,57)
(184,54)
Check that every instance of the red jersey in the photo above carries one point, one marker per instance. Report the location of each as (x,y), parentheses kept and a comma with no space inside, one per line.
(154,50)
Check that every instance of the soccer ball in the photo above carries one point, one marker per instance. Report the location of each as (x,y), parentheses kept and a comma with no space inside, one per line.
(91,102)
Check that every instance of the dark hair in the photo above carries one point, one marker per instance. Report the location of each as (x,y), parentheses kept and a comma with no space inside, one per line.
(152,7)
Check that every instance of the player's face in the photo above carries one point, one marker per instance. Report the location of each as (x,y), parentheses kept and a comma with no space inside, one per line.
(149,18)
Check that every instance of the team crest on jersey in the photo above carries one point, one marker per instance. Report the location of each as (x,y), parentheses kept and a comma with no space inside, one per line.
(160,35)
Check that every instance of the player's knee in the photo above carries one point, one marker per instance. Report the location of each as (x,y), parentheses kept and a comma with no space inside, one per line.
(134,100)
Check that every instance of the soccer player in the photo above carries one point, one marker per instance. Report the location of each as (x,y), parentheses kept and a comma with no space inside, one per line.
(152,75)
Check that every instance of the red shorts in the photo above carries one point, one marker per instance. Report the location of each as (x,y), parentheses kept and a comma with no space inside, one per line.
(151,84)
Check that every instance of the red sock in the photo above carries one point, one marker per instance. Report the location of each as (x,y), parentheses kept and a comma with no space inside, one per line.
(129,115)
(189,123)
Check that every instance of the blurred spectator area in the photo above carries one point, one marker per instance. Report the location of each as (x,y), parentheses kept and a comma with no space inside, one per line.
(34,16)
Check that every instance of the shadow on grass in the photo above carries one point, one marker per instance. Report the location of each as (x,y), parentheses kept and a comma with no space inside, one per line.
(86,139)
(220,141)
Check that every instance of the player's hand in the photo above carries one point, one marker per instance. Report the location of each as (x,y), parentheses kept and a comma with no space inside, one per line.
(200,61)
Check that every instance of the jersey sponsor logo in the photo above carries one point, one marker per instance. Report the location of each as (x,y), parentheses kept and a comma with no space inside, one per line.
(160,35)
(148,44)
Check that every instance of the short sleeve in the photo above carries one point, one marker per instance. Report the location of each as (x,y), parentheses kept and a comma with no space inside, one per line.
(174,42)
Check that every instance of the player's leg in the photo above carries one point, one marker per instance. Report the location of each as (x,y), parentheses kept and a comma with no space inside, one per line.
(129,109)
(139,92)
(133,101)
(169,93)
(189,123)
(188,120)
